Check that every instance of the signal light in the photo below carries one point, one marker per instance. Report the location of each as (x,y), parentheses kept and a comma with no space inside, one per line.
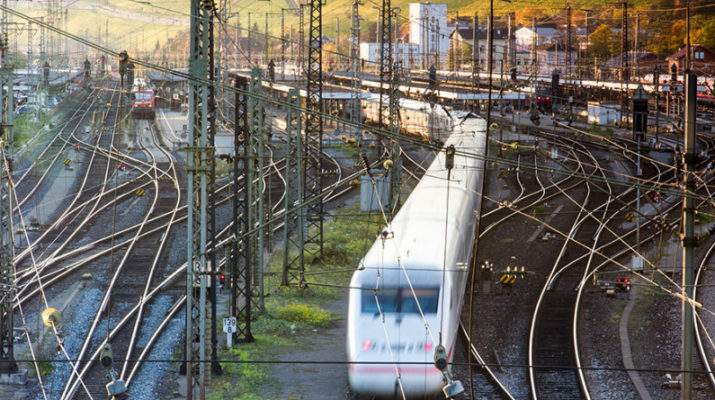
(440,358)
(623,284)
(105,357)
(428,346)
(222,279)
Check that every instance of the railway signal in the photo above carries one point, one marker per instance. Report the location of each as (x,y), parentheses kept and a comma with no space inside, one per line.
(640,114)
(105,357)
(453,388)
(623,284)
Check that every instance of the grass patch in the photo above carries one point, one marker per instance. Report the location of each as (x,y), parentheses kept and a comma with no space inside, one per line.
(45,368)
(241,378)
(540,211)
(704,217)
(615,316)
(28,125)
(347,237)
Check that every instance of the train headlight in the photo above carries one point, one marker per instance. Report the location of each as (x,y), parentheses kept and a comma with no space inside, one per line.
(428,346)
(366,345)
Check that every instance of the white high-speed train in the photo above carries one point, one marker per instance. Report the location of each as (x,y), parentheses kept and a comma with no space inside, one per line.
(407,294)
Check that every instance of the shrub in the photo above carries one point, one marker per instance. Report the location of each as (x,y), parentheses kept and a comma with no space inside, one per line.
(305,314)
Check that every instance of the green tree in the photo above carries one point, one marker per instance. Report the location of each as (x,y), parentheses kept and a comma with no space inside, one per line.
(705,33)
(601,41)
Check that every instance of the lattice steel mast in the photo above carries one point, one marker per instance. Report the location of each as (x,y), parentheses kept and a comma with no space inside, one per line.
(255,183)
(197,166)
(293,222)
(7,273)
(389,80)
(312,175)
(241,284)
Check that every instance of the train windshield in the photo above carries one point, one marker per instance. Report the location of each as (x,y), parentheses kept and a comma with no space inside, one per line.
(143,96)
(400,300)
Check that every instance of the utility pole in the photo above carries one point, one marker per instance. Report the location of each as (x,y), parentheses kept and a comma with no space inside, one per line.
(356,110)
(624,59)
(67,42)
(534,44)
(437,54)
(568,41)
(424,43)
(265,42)
(29,45)
(454,43)
(283,43)
(509,34)
(656,84)
(385,39)
(314,132)
(688,240)
(250,43)
(490,66)
(687,36)
(475,53)
(301,40)
(43,56)
(7,268)
(337,43)
(588,36)
(197,164)
(636,72)
(238,39)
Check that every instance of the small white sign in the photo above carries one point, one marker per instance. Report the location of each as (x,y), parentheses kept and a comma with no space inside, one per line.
(229,326)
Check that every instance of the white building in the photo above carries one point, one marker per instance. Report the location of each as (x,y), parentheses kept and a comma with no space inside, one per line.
(430,32)
(465,36)
(524,37)
(404,54)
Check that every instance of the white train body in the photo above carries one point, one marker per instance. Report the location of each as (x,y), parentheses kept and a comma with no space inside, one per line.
(425,236)
(416,117)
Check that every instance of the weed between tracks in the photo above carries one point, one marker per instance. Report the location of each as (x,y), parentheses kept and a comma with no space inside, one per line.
(290,311)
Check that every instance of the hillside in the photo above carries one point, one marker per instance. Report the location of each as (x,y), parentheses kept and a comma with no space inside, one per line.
(144,25)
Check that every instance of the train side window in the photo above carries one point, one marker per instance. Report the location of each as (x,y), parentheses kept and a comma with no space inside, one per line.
(428,298)
(386,296)
(400,300)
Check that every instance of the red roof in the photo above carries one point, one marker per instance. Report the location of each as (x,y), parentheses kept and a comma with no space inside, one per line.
(694,47)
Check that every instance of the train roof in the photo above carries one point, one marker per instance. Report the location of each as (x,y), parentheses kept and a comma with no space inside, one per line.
(416,237)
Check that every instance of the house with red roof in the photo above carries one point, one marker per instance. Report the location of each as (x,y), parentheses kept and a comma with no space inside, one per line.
(702,60)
